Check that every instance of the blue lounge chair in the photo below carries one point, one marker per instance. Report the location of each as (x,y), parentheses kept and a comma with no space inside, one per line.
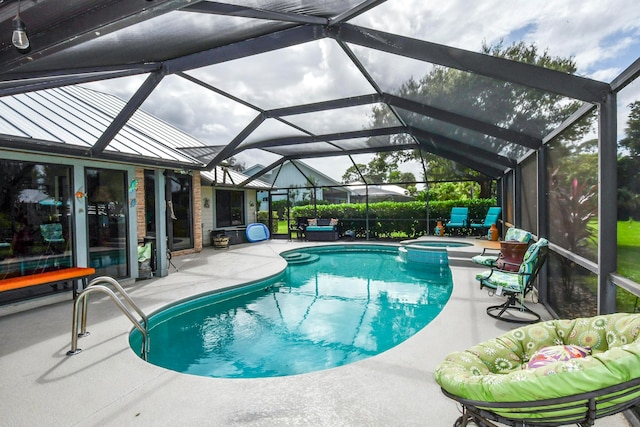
(493,214)
(459,219)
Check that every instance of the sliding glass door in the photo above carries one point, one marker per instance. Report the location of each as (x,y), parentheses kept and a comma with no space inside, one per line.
(107,220)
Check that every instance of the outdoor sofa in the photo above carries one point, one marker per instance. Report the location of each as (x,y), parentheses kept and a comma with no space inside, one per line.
(322,229)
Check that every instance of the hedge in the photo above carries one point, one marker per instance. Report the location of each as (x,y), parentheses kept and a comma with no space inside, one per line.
(387,218)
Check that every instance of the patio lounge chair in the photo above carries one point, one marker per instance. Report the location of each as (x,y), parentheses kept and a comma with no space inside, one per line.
(490,256)
(515,285)
(144,260)
(525,377)
(299,228)
(493,214)
(459,219)
(52,235)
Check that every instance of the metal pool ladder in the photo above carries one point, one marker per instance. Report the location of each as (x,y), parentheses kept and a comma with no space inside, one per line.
(95,286)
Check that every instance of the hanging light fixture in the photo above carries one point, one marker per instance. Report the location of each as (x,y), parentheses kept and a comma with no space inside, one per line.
(19,39)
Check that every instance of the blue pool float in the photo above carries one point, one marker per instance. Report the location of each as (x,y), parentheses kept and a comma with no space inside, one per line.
(257,232)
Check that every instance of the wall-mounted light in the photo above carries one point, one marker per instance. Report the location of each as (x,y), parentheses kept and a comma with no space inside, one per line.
(20,39)
(80,193)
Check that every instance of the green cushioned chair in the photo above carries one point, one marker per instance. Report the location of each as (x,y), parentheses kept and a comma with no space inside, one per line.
(489,256)
(515,285)
(495,382)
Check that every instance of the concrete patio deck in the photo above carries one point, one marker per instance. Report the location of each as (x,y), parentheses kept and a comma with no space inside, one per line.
(108,385)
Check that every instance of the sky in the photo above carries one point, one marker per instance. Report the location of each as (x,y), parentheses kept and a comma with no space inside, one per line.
(603,37)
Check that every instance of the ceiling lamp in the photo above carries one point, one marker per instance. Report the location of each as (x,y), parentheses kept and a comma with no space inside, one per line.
(19,38)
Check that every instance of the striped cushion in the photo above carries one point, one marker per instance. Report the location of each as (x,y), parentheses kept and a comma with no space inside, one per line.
(488,260)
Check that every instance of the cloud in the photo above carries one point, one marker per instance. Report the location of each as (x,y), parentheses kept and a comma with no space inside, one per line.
(571,28)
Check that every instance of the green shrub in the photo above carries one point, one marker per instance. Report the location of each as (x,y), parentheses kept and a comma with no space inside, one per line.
(389,218)
(263,217)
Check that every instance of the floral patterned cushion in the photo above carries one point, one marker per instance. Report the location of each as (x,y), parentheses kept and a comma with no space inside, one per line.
(493,371)
(557,353)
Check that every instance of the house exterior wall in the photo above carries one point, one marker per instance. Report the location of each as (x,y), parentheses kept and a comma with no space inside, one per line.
(197,212)
(251,207)
(207,213)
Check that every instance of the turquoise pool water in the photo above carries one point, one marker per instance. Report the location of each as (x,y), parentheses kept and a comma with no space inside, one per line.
(350,303)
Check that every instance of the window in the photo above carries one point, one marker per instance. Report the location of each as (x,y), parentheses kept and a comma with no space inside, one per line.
(36,232)
(150,202)
(229,208)
(180,211)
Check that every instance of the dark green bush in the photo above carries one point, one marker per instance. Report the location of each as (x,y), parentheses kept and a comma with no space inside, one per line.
(263,217)
(387,218)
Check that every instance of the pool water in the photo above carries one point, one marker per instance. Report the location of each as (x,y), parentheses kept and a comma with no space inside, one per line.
(350,304)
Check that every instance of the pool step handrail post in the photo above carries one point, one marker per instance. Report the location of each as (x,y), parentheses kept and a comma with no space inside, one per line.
(122,293)
(94,287)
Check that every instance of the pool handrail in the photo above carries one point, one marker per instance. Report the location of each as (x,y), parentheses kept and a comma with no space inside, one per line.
(94,286)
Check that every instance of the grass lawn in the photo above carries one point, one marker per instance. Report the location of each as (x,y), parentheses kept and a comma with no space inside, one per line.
(628,255)
(629,249)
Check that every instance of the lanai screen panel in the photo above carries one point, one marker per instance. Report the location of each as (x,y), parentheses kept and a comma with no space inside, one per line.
(467,136)
(551,27)
(310,72)
(342,146)
(376,143)
(507,105)
(162,38)
(343,119)
(271,129)
(529,195)
(310,149)
(210,117)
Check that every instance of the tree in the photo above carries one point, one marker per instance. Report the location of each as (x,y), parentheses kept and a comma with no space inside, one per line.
(573,207)
(234,164)
(504,104)
(632,139)
(628,166)
(352,174)
(380,171)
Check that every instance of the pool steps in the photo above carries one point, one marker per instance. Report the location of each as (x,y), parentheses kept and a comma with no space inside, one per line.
(300,258)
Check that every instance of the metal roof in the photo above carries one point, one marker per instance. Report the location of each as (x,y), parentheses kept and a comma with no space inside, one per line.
(224,177)
(79,41)
(77,117)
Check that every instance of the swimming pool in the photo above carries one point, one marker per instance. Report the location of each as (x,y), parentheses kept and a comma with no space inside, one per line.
(353,302)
